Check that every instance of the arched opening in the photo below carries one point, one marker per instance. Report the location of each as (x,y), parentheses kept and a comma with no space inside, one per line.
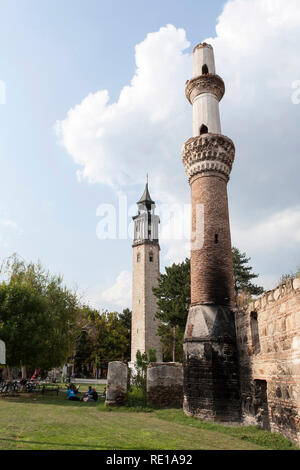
(204,69)
(203,129)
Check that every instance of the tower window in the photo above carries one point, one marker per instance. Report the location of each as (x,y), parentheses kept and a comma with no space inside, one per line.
(216,238)
(151,257)
(203,129)
(138,258)
(204,69)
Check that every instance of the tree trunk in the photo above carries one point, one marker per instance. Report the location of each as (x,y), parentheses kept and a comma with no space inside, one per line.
(174,345)
(24,372)
(9,376)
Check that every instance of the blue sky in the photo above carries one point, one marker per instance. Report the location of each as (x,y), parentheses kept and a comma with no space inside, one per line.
(55,54)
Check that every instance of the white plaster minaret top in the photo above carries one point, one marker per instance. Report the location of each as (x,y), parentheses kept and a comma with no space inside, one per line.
(205,94)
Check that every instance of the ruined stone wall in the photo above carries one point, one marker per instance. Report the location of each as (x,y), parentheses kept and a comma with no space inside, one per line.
(165,384)
(268,337)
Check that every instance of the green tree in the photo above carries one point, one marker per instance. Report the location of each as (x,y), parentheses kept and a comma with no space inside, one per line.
(243,274)
(173,300)
(139,379)
(125,318)
(85,355)
(104,337)
(172,340)
(112,337)
(37,315)
(24,325)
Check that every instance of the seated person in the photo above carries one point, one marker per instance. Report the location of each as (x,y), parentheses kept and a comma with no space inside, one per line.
(87,394)
(91,395)
(71,395)
(74,388)
(94,394)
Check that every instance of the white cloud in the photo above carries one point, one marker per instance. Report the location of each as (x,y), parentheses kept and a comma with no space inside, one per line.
(119,294)
(9,226)
(257,54)
(118,143)
(278,231)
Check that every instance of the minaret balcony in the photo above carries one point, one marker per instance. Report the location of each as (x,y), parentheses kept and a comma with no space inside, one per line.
(208,83)
(208,154)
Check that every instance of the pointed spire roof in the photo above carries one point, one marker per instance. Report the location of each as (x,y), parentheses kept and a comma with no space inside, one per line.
(146,196)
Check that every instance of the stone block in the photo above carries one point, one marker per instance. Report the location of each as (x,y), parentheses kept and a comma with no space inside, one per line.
(165,384)
(116,388)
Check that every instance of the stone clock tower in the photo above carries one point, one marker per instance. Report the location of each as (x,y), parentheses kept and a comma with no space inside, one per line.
(145,272)
(211,385)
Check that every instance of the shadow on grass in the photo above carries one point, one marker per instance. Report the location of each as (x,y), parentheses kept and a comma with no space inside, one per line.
(252,434)
(38,399)
(59,444)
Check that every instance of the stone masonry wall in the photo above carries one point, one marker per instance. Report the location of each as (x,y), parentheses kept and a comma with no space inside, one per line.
(165,384)
(144,277)
(268,337)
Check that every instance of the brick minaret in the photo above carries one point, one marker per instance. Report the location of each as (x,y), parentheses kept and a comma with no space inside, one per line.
(145,272)
(211,387)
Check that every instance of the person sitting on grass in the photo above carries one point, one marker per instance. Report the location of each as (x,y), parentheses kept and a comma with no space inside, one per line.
(91,395)
(71,395)
(73,387)
(87,394)
(95,394)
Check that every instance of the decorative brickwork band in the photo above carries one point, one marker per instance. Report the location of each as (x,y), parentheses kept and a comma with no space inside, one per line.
(208,153)
(209,83)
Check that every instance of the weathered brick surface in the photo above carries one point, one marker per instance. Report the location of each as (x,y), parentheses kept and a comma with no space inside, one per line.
(211,265)
(165,384)
(275,359)
(211,381)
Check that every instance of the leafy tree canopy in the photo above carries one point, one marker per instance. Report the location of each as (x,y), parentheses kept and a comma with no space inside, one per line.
(243,274)
(104,337)
(173,294)
(37,315)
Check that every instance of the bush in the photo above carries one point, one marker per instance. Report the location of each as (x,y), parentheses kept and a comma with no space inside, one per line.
(139,379)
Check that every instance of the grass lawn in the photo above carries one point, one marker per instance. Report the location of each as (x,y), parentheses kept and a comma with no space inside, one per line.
(50,422)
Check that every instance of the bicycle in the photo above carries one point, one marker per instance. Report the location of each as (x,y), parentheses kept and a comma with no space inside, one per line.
(9,387)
